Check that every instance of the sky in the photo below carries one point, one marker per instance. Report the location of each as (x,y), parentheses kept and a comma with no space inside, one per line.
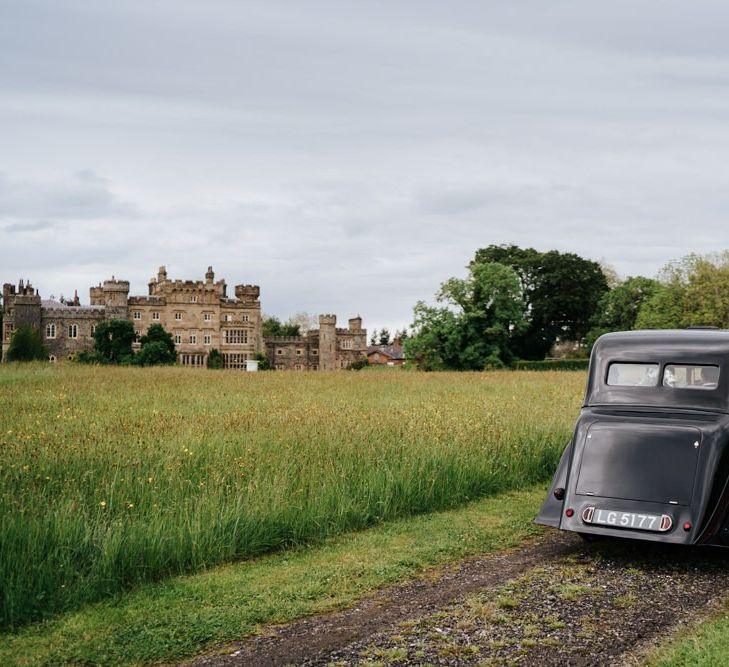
(348,157)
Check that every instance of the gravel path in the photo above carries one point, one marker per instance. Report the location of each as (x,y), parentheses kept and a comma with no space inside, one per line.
(555,601)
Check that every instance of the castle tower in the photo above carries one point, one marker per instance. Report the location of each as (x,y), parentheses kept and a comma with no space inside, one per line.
(210,276)
(116,295)
(247,292)
(327,342)
(355,323)
(26,306)
(96,295)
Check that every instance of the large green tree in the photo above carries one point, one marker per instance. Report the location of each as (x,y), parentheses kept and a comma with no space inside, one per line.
(473,330)
(113,342)
(561,292)
(158,348)
(618,308)
(693,291)
(26,344)
(271,326)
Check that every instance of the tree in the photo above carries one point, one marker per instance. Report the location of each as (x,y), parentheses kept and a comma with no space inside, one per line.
(374,337)
(474,330)
(271,326)
(113,342)
(215,359)
(26,344)
(693,291)
(303,321)
(560,295)
(158,348)
(618,309)
(402,335)
(384,337)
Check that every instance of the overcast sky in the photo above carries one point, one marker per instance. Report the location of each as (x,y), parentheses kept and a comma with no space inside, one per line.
(350,156)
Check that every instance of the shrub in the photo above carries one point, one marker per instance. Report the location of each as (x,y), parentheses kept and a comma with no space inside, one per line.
(26,344)
(215,359)
(263,363)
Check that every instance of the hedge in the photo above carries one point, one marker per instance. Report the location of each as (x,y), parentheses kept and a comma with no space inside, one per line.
(552,365)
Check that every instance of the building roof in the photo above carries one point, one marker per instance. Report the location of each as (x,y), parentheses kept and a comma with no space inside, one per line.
(392,351)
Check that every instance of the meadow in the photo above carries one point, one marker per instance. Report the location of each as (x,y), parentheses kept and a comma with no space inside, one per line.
(111,477)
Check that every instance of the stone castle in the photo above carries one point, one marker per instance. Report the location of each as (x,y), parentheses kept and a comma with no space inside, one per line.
(199,314)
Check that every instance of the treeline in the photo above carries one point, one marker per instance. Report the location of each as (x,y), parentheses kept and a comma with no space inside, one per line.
(517,303)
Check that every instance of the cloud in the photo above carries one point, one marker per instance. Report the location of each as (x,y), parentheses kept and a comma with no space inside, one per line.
(83,196)
(352,156)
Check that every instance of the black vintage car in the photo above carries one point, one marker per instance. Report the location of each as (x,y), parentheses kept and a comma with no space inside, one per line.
(649,457)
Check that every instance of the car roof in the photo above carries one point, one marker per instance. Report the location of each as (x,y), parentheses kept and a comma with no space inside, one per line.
(666,346)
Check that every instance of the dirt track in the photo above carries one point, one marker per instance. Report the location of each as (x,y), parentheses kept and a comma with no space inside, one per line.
(555,601)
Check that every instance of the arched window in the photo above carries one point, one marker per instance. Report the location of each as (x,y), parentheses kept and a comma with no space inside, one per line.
(50,330)
(52,359)
(72,331)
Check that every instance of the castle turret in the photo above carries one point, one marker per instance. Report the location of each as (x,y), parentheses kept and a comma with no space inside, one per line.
(247,292)
(162,274)
(96,295)
(209,276)
(355,323)
(327,342)
(116,295)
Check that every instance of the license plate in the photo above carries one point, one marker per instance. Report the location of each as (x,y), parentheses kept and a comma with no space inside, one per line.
(659,523)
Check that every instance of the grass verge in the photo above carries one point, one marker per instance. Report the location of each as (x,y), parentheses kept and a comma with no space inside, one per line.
(184,616)
(706,645)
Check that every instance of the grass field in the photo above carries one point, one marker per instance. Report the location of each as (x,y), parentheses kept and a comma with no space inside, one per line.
(115,477)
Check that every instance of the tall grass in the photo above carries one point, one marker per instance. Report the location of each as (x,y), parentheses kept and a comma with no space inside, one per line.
(111,477)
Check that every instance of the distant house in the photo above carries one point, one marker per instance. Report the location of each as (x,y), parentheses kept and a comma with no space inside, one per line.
(386,355)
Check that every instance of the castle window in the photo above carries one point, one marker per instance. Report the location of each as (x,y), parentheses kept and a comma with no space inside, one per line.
(315,352)
(347,344)
(155,316)
(279,351)
(235,360)
(207,317)
(8,331)
(52,359)
(298,367)
(236,336)
(73,331)
(193,299)
(299,351)
(50,330)
(193,338)
(228,318)
(280,367)
(244,318)
(191,359)
(137,315)
(178,339)
(178,316)
(206,339)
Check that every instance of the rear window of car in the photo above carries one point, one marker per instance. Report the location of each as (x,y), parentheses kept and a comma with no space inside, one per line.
(690,376)
(632,375)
